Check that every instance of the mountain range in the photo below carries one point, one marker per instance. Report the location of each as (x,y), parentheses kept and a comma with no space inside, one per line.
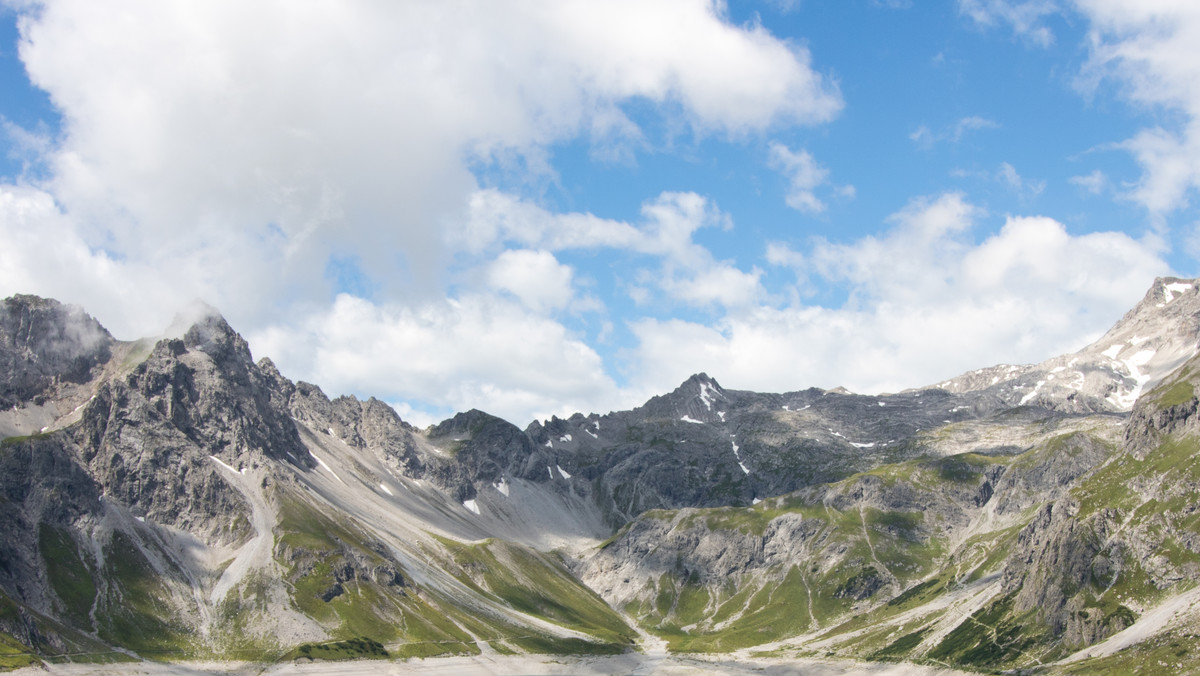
(171,498)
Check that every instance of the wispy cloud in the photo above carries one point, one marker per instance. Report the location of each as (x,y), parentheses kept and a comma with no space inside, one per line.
(804,176)
(1093,183)
(924,137)
(1026,18)
(1150,51)
(1007,174)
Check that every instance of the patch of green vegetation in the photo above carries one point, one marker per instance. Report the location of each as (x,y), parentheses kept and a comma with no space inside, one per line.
(136,353)
(235,636)
(363,610)
(899,524)
(1061,446)
(914,597)
(615,536)
(963,468)
(73,642)
(134,613)
(1167,654)
(989,638)
(14,654)
(350,649)
(1176,460)
(752,520)
(13,441)
(865,577)
(997,545)
(301,526)
(537,585)
(430,625)
(326,556)
(1178,393)
(691,602)
(421,649)
(774,611)
(69,574)
(550,645)
(307,591)
(916,591)
(901,646)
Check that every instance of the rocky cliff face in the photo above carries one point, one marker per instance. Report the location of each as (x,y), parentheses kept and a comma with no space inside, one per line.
(44,343)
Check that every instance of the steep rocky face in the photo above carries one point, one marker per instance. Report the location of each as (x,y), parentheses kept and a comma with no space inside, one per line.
(43,342)
(485,450)
(1091,562)
(41,483)
(150,437)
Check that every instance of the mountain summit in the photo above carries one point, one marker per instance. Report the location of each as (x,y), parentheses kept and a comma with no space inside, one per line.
(1152,340)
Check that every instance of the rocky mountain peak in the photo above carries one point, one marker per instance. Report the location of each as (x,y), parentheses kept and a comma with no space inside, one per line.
(1153,339)
(1165,291)
(212,335)
(700,398)
(43,341)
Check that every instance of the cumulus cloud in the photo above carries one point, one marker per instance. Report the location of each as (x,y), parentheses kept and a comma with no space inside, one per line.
(475,351)
(925,301)
(536,278)
(349,129)
(44,252)
(685,270)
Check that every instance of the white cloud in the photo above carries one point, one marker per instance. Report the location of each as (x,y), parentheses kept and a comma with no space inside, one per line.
(476,351)
(1025,17)
(1150,50)
(44,253)
(924,137)
(535,277)
(972,123)
(1007,174)
(350,128)
(718,284)
(925,302)
(804,176)
(686,271)
(783,255)
(1093,183)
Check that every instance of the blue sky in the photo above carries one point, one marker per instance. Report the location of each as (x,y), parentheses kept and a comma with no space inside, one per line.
(535,209)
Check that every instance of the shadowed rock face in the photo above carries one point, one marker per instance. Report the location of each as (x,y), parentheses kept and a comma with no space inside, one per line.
(42,342)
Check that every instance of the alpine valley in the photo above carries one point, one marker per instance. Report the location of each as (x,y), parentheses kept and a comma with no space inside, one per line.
(172,499)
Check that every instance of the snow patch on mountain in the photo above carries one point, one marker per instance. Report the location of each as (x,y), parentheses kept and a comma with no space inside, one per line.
(1176,289)
(326,466)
